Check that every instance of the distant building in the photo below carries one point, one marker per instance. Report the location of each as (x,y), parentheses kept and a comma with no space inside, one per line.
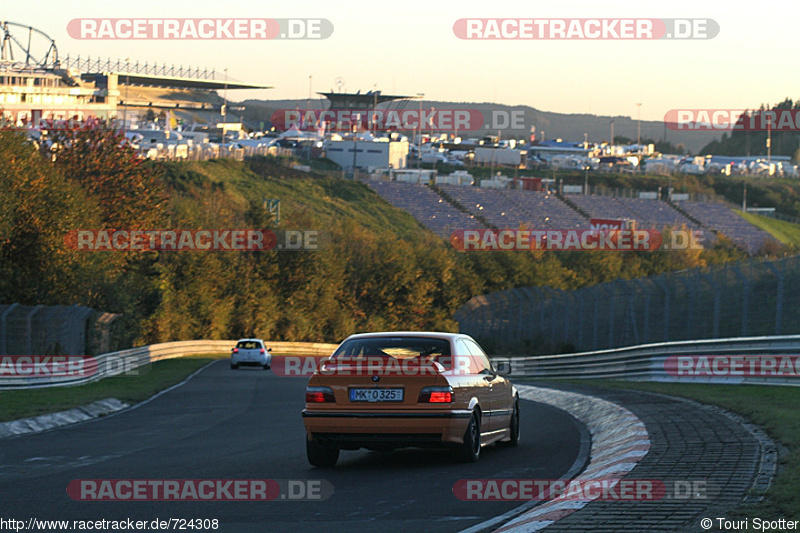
(546,150)
(367,154)
(30,95)
(47,88)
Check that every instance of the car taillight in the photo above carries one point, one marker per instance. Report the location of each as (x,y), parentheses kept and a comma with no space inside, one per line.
(235,350)
(319,395)
(262,350)
(436,395)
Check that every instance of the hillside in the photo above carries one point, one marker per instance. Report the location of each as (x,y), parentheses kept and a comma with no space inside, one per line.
(382,270)
(786,232)
(554,125)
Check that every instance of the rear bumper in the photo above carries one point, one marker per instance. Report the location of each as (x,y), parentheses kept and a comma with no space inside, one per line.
(410,428)
(262,360)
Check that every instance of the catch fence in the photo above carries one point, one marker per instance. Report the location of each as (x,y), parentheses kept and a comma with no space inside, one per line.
(755,298)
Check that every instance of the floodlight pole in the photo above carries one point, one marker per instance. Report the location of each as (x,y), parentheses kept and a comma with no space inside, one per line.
(125,109)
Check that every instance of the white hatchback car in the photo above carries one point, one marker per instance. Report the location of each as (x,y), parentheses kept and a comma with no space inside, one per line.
(251,352)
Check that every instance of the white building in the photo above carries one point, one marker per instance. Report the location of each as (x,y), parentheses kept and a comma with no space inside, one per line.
(367,154)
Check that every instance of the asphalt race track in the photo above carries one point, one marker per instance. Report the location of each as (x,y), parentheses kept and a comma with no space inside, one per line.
(246,424)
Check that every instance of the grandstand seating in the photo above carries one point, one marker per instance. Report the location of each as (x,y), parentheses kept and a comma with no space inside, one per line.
(649,214)
(719,217)
(512,209)
(425,205)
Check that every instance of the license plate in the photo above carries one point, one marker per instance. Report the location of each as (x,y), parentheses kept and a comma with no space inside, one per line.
(376,395)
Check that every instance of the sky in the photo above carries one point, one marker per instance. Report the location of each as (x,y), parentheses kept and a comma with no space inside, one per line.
(410,47)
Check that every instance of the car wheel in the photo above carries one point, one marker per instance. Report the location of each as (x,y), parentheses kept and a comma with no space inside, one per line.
(322,455)
(266,366)
(234,366)
(470,450)
(514,428)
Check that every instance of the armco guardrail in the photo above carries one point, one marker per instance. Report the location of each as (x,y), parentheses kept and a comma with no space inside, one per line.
(636,363)
(648,362)
(115,363)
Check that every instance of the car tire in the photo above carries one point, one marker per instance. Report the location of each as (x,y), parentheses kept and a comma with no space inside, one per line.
(470,450)
(514,427)
(266,366)
(321,455)
(234,366)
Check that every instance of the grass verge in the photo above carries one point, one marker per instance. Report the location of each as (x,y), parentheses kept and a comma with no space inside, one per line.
(16,404)
(774,409)
(786,232)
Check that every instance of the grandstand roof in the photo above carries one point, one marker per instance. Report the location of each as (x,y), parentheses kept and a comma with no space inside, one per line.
(360,101)
(170,82)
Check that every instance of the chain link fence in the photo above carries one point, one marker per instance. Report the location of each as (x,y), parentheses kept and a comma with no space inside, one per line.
(54,330)
(733,300)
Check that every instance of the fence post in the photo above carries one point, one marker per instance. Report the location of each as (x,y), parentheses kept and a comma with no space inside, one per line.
(485,316)
(78,346)
(499,324)
(596,319)
(569,299)
(527,323)
(611,309)
(689,282)
(29,330)
(556,311)
(518,298)
(646,319)
(778,297)
(498,311)
(4,329)
(745,298)
(581,302)
(664,287)
(717,304)
(629,332)
(542,305)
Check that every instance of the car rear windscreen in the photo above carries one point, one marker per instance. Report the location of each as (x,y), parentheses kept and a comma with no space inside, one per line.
(248,345)
(431,349)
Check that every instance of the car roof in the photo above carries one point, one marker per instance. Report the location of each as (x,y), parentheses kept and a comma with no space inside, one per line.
(431,334)
(249,340)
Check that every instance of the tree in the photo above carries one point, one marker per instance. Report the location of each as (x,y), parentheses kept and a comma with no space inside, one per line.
(97,157)
(40,207)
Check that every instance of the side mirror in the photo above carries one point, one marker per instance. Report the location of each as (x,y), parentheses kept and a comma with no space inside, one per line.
(269,349)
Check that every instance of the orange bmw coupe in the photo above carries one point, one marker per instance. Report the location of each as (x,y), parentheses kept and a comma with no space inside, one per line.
(382,391)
